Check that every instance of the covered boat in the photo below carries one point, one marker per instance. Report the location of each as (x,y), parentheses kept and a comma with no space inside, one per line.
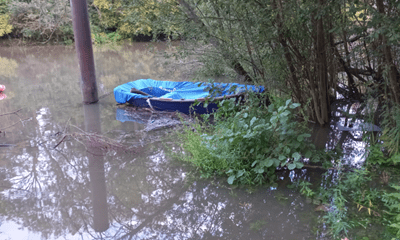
(178,96)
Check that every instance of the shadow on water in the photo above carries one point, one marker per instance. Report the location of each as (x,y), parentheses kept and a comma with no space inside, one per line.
(58,182)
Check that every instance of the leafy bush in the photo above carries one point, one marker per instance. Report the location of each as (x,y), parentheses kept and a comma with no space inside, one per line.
(5,27)
(248,142)
(103,38)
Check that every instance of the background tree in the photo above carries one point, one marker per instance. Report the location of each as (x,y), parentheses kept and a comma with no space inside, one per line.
(5,26)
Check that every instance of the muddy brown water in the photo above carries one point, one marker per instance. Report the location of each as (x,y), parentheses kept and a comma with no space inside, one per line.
(57,184)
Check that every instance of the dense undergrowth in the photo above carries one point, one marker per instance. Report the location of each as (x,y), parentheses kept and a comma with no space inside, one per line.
(247,143)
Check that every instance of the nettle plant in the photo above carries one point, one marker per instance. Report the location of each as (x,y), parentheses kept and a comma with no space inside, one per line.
(257,139)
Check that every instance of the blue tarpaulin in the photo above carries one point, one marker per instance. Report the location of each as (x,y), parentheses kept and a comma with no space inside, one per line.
(176,91)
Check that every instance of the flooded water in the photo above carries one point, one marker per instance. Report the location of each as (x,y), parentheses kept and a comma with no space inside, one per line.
(65,175)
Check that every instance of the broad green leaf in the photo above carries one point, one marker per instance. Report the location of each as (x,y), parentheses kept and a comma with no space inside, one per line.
(295,105)
(299,165)
(271,108)
(288,101)
(283,120)
(287,150)
(300,138)
(276,162)
(240,173)
(285,113)
(282,157)
(252,121)
(245,115)
(269,162)
(296,156)
(231,179)
(291,166)
(254,163)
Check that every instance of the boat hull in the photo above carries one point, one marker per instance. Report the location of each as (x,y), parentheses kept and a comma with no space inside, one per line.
(178,96)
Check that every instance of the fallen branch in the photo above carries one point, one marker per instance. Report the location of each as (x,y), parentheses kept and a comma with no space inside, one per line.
(20,121)
(92,140)
(15,112)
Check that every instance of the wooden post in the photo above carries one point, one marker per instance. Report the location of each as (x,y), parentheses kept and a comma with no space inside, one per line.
(84,50)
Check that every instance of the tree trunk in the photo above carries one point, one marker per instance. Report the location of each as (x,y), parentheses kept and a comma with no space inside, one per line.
(393,73)
(322,70)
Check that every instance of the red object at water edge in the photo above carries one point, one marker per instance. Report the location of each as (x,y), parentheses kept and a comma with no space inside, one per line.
(2,88)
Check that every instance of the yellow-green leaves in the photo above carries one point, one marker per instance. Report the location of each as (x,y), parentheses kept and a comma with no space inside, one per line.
(5,27)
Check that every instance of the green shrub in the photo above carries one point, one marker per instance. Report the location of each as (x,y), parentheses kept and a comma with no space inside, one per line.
(103,38)
(248,142)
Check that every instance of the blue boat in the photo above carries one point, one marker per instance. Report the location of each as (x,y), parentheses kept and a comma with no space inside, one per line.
(178,96)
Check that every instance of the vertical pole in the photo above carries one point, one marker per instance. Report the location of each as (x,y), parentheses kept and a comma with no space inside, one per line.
(83,45)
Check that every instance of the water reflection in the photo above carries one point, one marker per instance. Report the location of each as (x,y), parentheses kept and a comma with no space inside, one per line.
(57,185)
(7,67)
(346,131)
(96,170)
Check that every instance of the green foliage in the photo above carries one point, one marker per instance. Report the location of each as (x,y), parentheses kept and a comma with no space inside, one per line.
(131,18)
(391,130)
(377,155)
(5,26)
(258,225)
(103,38)
(349,188)
(197,153)
(67,33)
(391,201)
(386,150)
(355,202)
(251,141)
(39,20)
(304,188)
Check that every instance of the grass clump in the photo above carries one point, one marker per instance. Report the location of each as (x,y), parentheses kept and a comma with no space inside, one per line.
(197,153)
